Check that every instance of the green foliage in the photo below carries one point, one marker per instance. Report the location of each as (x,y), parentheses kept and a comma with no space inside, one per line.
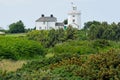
(41,36)
(56,36)
(81,47)
(65,21)
(101,43)
(17,27)
(93,32)
(71,33)
(98,30)
(82,34)
(52,37)
(88,24)
(38,69)
(16,35)
(102,66)
(72,59)
(17,48)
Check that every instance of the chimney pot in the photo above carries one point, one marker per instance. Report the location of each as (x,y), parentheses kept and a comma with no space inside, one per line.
(51,15)
(42,15)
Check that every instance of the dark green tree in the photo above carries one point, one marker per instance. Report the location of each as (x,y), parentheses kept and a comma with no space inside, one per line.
(88,24)
(71,33)
(61,35)
(117,32)
(65,21)
(52,39)
(17,27)
(109,34)
(92,33)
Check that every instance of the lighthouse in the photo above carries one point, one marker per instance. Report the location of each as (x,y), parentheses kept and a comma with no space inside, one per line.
(74,17)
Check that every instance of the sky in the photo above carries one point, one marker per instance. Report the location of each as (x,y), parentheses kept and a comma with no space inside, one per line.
(30,10)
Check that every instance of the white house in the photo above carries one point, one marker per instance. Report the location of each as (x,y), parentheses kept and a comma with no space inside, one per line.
(74,18)
(47,23)
(2,33)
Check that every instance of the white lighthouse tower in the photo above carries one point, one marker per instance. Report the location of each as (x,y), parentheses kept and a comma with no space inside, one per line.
(74,17)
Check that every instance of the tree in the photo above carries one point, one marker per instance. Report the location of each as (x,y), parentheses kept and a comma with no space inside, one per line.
(117,31)
(17,27)
(71,33)
(65,21)
(41,36)
(109,34)
(92,33)
(88,24)
(61,35)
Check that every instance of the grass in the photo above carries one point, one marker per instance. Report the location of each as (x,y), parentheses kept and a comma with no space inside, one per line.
(9,65)
(16,35)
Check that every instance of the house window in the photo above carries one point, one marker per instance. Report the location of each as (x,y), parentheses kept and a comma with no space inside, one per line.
(44,23)
(40,28)
(73,20)
(45,28)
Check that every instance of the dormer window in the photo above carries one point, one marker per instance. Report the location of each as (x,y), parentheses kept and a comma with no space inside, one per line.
(74,8)
(73,20)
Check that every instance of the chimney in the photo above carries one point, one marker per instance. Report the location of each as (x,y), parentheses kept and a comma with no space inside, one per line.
(51,15)
(42,15)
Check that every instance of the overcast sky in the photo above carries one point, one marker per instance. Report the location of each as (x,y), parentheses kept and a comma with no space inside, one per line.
(30,10)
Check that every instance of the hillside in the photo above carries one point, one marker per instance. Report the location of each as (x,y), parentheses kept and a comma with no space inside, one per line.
(71,54)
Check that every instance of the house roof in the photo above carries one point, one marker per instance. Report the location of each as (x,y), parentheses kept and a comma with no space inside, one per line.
(47,19)
(59,24)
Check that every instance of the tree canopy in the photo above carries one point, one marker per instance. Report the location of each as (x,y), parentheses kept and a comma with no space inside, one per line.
(102,30)
(17,27)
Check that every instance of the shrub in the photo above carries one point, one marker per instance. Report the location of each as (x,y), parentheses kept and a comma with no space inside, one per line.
(19,48)
(72,47)
(102,43)
(52,37)
(102,66)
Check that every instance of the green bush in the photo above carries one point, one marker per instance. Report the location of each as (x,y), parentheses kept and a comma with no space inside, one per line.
(102,66)
(52,37)
(102,43)
(73,47)
(19,48)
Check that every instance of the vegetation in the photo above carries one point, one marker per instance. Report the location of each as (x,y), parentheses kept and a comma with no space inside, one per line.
(17,27)
(10,65)
(82,47)
(65,21)
(64,54)
(98,30)
(102,66)
(17,48)
(16,35)
(52,37)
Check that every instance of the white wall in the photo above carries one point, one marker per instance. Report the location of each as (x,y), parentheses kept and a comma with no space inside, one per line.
(77,18)
(58,27)
(51,25)
(45,25)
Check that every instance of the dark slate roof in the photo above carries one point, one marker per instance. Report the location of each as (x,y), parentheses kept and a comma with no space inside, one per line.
(47,19)
(59,24)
